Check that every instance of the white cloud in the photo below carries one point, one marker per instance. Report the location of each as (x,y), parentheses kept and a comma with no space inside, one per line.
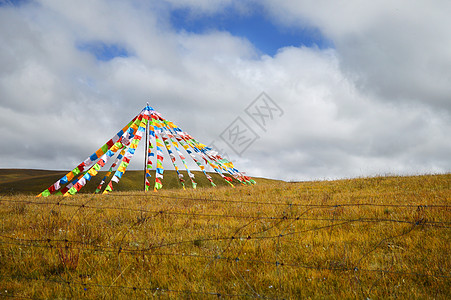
(201,6)
(393,49)
(364,108)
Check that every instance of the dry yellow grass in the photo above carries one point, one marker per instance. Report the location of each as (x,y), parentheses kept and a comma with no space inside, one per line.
(377,238)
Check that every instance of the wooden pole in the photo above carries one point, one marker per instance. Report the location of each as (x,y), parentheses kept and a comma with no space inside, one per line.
(145,153)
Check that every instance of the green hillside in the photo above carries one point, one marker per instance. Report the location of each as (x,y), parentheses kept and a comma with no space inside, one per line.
(29,181)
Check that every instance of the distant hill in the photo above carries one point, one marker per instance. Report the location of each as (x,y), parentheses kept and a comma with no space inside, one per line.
(30,181)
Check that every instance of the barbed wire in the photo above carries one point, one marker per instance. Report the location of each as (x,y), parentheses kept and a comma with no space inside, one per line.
(285,218)
(136,288)
(229,259)
(337,205)
(193,214)
(148,250)
(275,203)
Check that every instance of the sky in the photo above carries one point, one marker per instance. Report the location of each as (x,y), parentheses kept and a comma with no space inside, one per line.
(292,90)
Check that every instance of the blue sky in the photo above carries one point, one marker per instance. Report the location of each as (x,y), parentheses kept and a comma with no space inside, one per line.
(13,2)
(360,95)
(259,29)
(255,26)
(103,51)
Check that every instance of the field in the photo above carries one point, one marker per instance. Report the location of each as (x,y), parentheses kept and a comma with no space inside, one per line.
(23,181)
(365,238)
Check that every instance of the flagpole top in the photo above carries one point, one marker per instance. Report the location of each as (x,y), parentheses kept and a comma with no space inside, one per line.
(148,107)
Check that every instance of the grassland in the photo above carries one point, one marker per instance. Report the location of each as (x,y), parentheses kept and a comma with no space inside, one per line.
(29,181)
(376,238)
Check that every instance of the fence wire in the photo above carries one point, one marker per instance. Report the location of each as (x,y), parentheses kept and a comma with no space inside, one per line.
(287,223)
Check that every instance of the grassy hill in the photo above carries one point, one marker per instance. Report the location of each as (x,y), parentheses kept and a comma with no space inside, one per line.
(366,238)
(29,181)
